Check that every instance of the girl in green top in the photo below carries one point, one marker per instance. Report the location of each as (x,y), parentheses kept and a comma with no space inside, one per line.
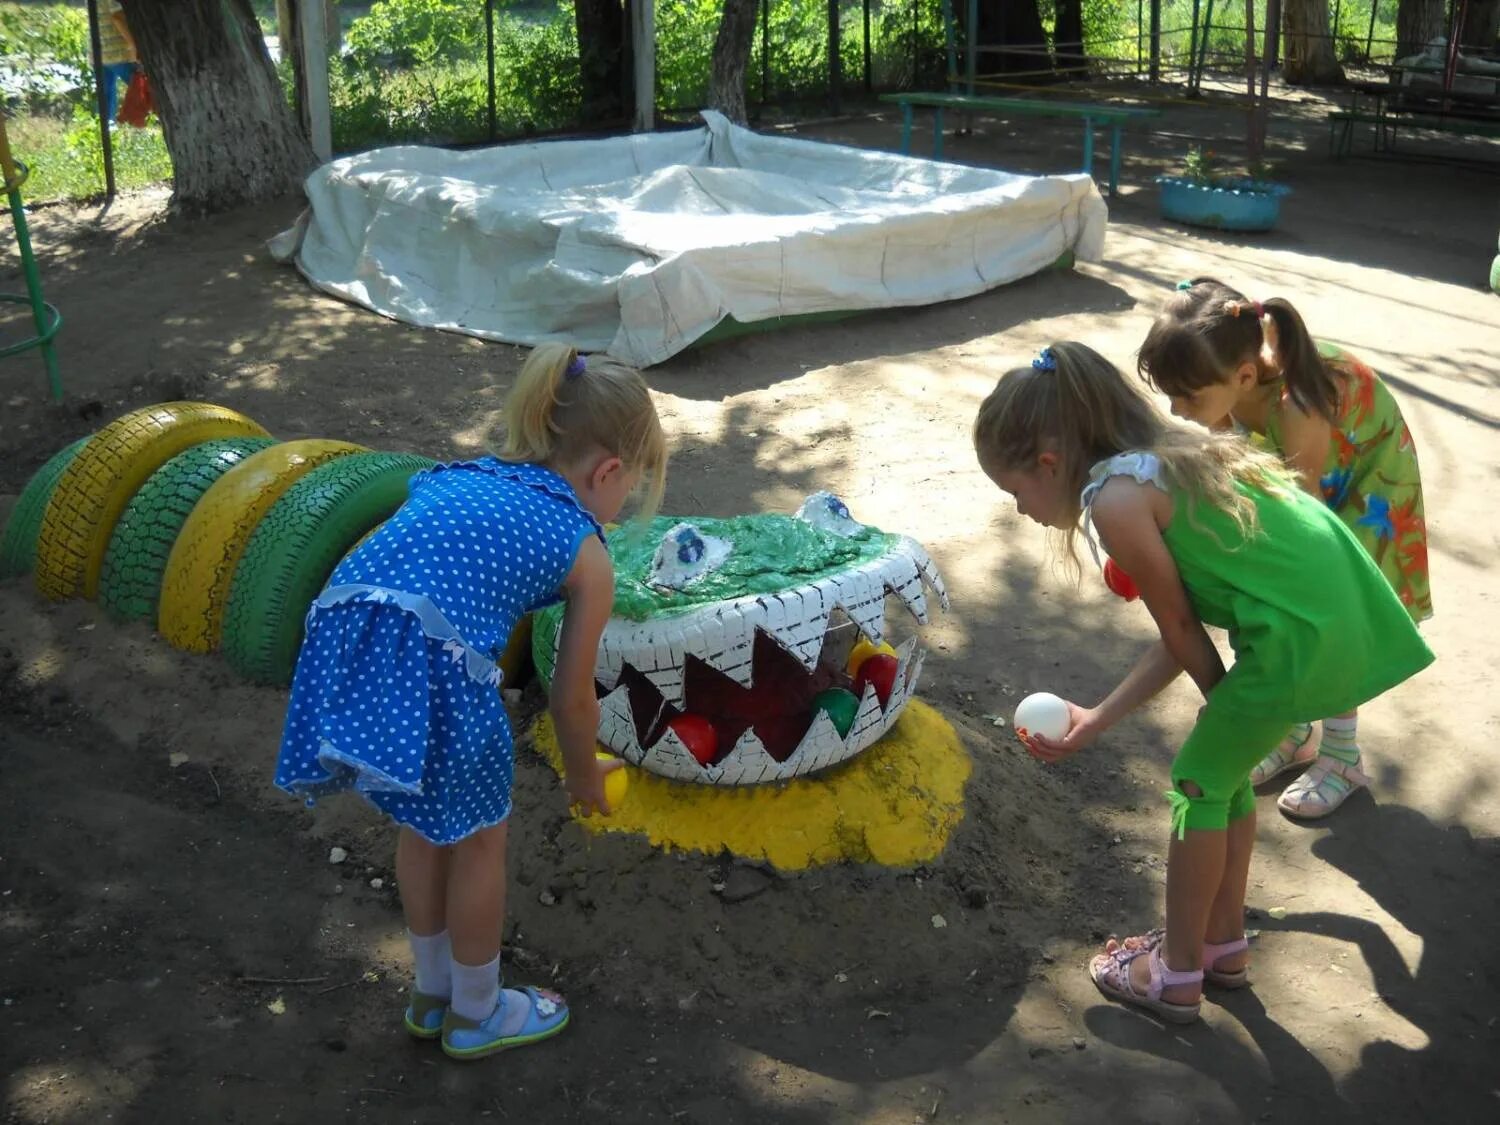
(1212,532)
(1224,360)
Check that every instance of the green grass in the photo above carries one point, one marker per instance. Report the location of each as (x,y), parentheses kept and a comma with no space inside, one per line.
(67,162)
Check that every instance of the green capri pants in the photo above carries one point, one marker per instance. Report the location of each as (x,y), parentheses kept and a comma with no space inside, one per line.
(1218,756)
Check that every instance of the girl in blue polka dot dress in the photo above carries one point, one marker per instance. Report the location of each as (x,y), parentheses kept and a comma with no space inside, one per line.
(396,694)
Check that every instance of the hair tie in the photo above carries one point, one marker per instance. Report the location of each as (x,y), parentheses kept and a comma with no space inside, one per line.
(1260,310)
(576,367)
(1046,360)
(1183,285)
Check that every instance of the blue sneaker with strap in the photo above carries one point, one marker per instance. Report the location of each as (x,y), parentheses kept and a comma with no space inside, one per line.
(546,1015)
(424,1015)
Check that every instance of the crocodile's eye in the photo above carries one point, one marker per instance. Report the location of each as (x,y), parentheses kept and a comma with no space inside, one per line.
(686,555)
(827,512)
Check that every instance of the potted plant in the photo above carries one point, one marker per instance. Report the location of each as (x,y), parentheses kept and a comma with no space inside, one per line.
(1207,197)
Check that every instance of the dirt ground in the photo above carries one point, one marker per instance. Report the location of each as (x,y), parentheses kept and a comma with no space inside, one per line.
(178,947)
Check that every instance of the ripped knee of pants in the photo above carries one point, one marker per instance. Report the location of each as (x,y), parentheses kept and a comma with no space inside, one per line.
(1193,808)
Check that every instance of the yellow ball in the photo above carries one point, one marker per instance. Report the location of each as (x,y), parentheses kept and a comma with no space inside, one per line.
(863,651)
(616,782)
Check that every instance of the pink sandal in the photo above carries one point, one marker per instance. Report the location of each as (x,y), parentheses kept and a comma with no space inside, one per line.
(1212,955)
(1110,973)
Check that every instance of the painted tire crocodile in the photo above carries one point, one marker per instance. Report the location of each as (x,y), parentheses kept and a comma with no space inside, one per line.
(743,622)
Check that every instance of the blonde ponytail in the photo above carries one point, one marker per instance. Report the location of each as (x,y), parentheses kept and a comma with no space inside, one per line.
(565,406)
(530,431)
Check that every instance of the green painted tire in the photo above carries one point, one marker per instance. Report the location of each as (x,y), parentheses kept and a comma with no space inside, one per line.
(18,541)
(136,558)
(294,549)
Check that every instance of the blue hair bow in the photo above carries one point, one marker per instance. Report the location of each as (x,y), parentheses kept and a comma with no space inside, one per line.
(1046,360)
(576,367)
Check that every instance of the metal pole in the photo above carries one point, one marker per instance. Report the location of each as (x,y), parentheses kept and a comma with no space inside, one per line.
(971,41)
(101,98)
(835,63)
(489,59)
(869,79)
(643,55)
(46,318)
(950,36)
(1208,22)
(1193,50)
(1370,38)
(765,51)
(1338,12)
(1140,31)
(1155,71)
(312,41)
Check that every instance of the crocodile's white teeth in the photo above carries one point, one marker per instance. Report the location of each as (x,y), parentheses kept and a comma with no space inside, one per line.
(904,581)
(748,763)
(617,725)
(861,595)
(654,652)
(721,637)
(671,758)
(803,617)
(820,747)
(928,570)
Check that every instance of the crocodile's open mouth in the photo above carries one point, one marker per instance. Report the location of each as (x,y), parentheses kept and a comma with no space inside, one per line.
(728,659)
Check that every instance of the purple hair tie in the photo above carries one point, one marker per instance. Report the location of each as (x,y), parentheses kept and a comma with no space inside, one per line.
(576,367)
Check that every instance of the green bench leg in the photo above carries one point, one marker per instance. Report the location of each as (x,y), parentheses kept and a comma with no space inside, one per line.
(906,116)
(1114,160)
(46,318)
(937,134)
(1088,146)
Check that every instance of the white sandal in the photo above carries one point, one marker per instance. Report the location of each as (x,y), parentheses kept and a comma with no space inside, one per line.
(1110,973)
(1281,760)
(1325,786)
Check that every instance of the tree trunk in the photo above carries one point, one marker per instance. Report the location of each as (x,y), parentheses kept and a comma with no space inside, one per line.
(1418,23)
(602,35)
(1481,25)
(1067,35)
(726,83)
(1015,23)
(1310,60)
(232,137)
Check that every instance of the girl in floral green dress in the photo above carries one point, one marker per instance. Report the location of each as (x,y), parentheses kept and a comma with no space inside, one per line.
(1225,360)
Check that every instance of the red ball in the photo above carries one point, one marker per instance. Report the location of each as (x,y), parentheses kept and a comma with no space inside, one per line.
(1119,582)
(880,672)
(698,735)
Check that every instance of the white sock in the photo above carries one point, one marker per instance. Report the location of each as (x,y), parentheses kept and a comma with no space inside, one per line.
(476,989)
(433,955)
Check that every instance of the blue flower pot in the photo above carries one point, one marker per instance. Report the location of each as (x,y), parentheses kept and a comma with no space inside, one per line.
(1226,205)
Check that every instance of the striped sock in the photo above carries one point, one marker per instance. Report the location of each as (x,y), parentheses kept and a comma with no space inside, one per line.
(1339,740)
(1299,734)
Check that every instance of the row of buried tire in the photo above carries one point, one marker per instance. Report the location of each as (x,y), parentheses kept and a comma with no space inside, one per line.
(193,517)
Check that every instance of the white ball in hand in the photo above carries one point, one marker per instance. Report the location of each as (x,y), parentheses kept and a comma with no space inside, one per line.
(1043,714)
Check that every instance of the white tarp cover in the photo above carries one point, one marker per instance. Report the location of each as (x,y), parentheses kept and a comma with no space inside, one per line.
(639,245)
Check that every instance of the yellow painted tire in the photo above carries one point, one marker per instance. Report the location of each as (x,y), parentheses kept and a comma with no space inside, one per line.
(99,482)
(200,570)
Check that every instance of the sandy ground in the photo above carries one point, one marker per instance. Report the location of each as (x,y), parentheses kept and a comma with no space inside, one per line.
(178,947)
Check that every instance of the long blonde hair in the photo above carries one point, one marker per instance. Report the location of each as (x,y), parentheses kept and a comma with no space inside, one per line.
(1075,404)
(563,407)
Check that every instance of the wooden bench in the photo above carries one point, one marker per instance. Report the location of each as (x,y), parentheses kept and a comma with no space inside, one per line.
(1340,141)
(1115,116)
